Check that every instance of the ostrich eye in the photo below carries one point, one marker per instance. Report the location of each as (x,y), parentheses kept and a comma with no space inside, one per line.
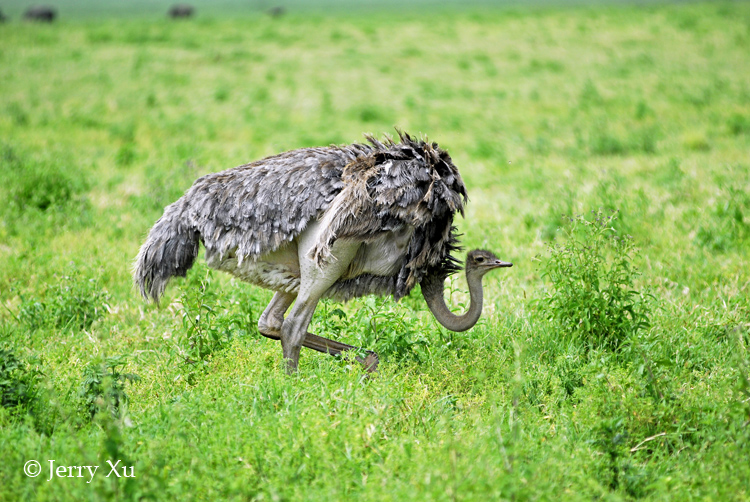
(480,259)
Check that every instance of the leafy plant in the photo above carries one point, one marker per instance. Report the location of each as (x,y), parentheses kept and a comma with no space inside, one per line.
(592,297)
(18,384)
(611,439)
(103,386)
(376,324)
(208,325)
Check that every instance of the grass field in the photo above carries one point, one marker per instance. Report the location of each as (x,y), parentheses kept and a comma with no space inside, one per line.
(606,153)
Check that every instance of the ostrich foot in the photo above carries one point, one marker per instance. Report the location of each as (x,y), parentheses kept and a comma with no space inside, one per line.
(332,347)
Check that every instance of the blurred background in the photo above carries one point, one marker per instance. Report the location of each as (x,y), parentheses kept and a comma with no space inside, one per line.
(96,8)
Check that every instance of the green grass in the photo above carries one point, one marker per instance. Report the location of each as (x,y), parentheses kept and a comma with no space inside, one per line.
(550,114)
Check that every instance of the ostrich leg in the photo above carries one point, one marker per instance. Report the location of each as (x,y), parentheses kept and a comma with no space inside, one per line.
(331,347)
(272,318)
(315,279)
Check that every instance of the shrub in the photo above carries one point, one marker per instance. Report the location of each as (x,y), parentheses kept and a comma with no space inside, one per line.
(592,297)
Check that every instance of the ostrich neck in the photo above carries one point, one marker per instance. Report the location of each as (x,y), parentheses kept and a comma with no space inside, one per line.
(432,290)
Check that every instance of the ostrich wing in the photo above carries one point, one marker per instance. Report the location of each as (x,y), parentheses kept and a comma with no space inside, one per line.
(253,209)
(357,190)
(409,183)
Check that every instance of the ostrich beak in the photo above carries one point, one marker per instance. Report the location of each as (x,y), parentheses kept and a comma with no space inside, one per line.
(498,264)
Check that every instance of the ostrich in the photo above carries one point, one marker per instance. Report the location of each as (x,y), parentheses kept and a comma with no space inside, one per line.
(336,222)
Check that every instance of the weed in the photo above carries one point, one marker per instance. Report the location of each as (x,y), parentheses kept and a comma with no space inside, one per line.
(642,110)
(103,387)
(592,297)
(111,397)
(553,218)
(126,154)
(611,441)
(569,372)
(670,175)
(207,325)
(18,113)
(728,222)
(602,141)
(610,199)
(73,303)
(162,187)
(376,324)
(221,94)
(18,384)
(370,114)
(644,140)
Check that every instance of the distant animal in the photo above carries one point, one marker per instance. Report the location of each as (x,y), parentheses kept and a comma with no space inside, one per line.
(3,18)
(181,10)
(277,11)
(336,222)
(42,13)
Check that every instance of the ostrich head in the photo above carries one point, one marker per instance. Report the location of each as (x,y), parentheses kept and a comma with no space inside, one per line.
(480,261)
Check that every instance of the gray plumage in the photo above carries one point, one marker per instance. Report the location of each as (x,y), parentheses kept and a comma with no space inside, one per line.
(256,208)
(337,222)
